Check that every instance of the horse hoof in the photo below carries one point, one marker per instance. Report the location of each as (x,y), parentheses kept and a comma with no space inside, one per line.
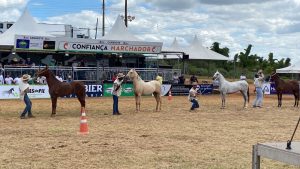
(245,107)
(52,115)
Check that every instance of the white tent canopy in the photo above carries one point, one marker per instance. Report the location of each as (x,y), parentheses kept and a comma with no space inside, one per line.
(294,68)
(196,51)
(120,31)
(25,25)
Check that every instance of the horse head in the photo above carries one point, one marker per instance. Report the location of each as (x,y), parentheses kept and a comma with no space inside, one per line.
(43,72)
(132,74)
(217,75)
(273,77)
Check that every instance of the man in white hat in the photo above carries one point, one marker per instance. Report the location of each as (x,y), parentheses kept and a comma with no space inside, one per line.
(116,92)
(193,96)
(24,89)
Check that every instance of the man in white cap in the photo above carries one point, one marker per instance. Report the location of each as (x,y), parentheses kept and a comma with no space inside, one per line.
(24,89)
(193,96)
(116,92)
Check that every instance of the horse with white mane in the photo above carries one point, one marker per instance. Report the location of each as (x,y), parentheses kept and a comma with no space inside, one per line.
(141,87)
(226,87)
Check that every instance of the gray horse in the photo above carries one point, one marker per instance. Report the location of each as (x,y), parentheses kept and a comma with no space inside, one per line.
(226,87)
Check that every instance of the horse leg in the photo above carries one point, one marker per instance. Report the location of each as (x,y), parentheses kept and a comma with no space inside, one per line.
(136,103)
(278,99)
(295,99)
(223,100)
(82,102)
(81,98)
(54,102)
(158,100)
(245,98)
(139,102)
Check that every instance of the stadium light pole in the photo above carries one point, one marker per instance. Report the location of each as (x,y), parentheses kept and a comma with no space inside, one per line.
(126,19)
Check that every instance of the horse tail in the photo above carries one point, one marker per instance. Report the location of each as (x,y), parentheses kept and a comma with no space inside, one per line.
(248,95)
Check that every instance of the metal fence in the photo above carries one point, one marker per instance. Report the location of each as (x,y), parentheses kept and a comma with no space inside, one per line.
(92,74)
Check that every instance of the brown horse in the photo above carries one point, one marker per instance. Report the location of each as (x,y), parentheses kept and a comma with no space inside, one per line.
(281,86)
(60,89)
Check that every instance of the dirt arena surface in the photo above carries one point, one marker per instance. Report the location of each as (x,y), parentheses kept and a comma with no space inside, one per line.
(209,138)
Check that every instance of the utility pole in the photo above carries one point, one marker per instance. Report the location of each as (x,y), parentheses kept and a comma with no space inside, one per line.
(126,20)
(103,18)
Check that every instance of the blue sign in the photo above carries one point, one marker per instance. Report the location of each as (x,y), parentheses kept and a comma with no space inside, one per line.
(22,43)
(272,88)
(206,88)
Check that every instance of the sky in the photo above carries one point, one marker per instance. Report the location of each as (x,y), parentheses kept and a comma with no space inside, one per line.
(269,25)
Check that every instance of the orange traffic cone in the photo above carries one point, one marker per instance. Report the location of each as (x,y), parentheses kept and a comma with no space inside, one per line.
(83,123)
(170,95)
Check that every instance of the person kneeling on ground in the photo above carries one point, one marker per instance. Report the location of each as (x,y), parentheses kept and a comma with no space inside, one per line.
(193,96)
(24,89)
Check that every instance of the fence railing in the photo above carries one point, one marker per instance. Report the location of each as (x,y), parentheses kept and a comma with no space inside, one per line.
(92,74)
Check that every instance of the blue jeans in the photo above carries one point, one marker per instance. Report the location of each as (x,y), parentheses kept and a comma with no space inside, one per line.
(195,104)
(259,97)
(116,104)
(28,106)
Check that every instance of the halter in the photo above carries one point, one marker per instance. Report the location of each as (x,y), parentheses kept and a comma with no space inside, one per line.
(272,76)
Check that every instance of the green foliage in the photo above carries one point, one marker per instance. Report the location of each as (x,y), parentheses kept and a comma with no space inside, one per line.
(244,61)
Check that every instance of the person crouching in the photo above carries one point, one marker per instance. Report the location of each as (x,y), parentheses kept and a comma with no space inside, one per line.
(193,96)
(24,89)
(116,92)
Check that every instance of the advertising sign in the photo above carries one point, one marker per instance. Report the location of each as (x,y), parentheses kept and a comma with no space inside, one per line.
(34,42)
(38,91)
(13,91)
(205,88)
(85,45)
(179,90)
(127,89)
(9,92)
(165,88)
(109,46)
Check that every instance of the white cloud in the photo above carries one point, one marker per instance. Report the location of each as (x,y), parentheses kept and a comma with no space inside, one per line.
(270,26)
(11,9)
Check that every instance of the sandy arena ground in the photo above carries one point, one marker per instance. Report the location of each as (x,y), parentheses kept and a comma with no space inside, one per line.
(209,138)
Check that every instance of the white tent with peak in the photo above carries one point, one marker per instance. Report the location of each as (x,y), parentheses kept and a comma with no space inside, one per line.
(195,50)
(25,25)
(294,68)
(120,31)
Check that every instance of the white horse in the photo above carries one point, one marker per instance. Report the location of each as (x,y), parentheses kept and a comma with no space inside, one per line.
(141,87)
(226,87)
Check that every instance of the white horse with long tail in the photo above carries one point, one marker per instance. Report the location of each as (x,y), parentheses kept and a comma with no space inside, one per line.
(226,87)
(141,87)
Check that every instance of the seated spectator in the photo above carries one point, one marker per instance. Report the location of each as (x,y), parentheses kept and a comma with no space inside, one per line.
(41,80)
(181,79)
(59,77)
(28,62)
(1,79)
(159,78)
(17,80)
(243,77)
(8,80)
(193,79)
(69,79)
(14,61)
(175,78)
